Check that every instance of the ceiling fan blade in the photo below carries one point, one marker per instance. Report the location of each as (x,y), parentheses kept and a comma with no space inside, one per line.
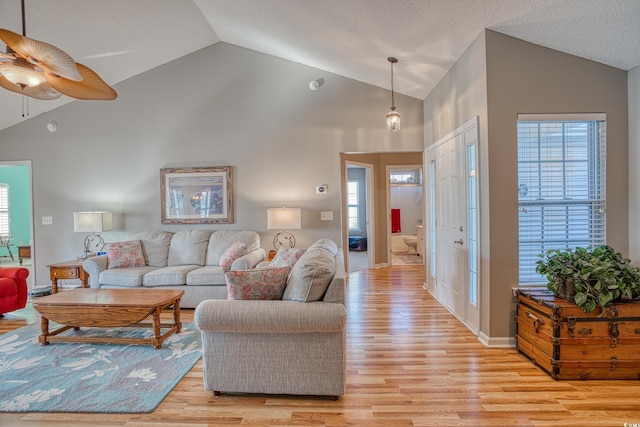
(6,57)
(43,91)
(42,54)
(91,87)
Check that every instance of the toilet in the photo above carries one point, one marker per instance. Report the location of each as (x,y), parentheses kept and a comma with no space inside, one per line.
(412,244)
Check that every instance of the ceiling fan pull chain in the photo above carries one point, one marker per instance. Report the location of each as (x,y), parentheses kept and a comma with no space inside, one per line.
(24,25)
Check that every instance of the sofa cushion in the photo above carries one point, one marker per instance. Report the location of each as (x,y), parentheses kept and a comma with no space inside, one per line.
(207,275)
(155,246)
(127,277)
(286,257)
(231,254)
(310,276)
(125,254)
(262,284)
(170,275)
(222,240)
(188,247)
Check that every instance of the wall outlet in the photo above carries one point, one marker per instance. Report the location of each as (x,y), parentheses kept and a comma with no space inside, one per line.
(326,216)
(47,220)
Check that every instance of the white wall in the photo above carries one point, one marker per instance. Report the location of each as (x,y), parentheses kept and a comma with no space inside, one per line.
(633,82)
(222,105)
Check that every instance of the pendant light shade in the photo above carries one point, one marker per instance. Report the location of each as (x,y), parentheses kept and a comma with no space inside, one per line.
(393,117)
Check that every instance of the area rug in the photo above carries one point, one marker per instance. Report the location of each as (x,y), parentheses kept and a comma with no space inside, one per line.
(410,258)
(102,378)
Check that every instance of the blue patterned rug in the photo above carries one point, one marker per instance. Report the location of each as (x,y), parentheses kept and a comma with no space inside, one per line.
(104,378)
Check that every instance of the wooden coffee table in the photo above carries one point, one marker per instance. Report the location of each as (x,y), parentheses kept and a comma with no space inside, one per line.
(108,308)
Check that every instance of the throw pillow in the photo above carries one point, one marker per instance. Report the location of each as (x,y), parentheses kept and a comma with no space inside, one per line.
(310,276)
(286,257)
(236,250)
(125,254)
(263,284)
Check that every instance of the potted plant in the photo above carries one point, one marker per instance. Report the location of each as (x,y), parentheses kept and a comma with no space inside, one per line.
(592,278)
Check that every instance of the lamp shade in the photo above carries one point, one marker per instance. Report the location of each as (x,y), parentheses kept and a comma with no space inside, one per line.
(92,222)
(283,218)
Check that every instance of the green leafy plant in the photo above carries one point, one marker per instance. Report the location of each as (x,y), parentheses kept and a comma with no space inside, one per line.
(596,277)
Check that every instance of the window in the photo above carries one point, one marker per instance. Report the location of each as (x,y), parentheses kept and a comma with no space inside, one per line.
(561,186)
(4,209)
(353,207)
(432,218)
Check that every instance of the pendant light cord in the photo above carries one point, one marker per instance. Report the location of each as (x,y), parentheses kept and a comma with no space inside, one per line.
(393,102)
(392,60)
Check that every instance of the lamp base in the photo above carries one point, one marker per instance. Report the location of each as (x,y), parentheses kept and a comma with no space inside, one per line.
(93,244)
(284,238)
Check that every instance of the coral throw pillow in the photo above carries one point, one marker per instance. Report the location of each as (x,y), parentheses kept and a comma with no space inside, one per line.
(286,257)
(125,254)
(236,250)
(260,284)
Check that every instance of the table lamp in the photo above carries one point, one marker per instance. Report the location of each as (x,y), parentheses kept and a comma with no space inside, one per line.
(92,222)
(283,219)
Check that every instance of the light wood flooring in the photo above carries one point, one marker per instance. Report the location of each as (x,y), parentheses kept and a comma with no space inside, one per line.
(410,363)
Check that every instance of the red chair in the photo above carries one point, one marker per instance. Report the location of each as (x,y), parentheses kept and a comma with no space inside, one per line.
(13,289)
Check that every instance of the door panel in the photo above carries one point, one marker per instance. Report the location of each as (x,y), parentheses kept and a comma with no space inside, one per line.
(451,222)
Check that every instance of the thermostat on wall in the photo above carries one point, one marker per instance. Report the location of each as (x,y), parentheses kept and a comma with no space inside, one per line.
(321,189)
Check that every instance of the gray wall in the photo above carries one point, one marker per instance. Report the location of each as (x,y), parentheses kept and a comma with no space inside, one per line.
(222,105)
(520,77)
(526,78)
(634,161)
(459,97)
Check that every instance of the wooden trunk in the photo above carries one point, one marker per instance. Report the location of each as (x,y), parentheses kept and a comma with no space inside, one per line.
(568,343)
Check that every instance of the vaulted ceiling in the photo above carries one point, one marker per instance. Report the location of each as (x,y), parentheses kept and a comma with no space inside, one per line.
(122,38)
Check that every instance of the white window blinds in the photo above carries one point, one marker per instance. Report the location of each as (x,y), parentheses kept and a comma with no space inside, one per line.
(4,209)
(561,187)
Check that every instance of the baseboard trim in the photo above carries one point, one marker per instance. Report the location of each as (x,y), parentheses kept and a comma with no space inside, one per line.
(496,342)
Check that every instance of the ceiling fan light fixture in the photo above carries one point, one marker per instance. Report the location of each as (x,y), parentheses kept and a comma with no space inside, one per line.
(40,70)
(393,117)
(22,74)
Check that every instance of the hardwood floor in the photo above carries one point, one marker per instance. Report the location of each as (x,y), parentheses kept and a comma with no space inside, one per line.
(410,363)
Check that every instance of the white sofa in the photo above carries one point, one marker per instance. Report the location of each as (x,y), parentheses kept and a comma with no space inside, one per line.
(188,260)
(296,345)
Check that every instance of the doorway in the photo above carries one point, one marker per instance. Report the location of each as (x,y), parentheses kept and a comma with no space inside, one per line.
(405,207)
(378,253)
(18,214)
(359,200)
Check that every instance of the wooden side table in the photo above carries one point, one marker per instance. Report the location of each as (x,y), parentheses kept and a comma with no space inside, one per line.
(67,270)
(23,252)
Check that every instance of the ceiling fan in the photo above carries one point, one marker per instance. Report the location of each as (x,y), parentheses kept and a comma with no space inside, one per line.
(39,70)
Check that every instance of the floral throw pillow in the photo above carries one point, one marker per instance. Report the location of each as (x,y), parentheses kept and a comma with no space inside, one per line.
(125,254)
(236,250)
(286,257)
(260,284)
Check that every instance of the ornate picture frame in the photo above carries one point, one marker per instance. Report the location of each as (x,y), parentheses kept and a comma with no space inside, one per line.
(198,195)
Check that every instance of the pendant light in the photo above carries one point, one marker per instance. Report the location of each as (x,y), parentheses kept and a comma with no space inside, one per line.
(393,118)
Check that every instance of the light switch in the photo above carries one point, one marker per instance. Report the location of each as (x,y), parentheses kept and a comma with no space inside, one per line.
(47,220)
(326,216)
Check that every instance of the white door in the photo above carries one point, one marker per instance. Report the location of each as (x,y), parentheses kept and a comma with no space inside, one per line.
(450,225)
(451,215)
